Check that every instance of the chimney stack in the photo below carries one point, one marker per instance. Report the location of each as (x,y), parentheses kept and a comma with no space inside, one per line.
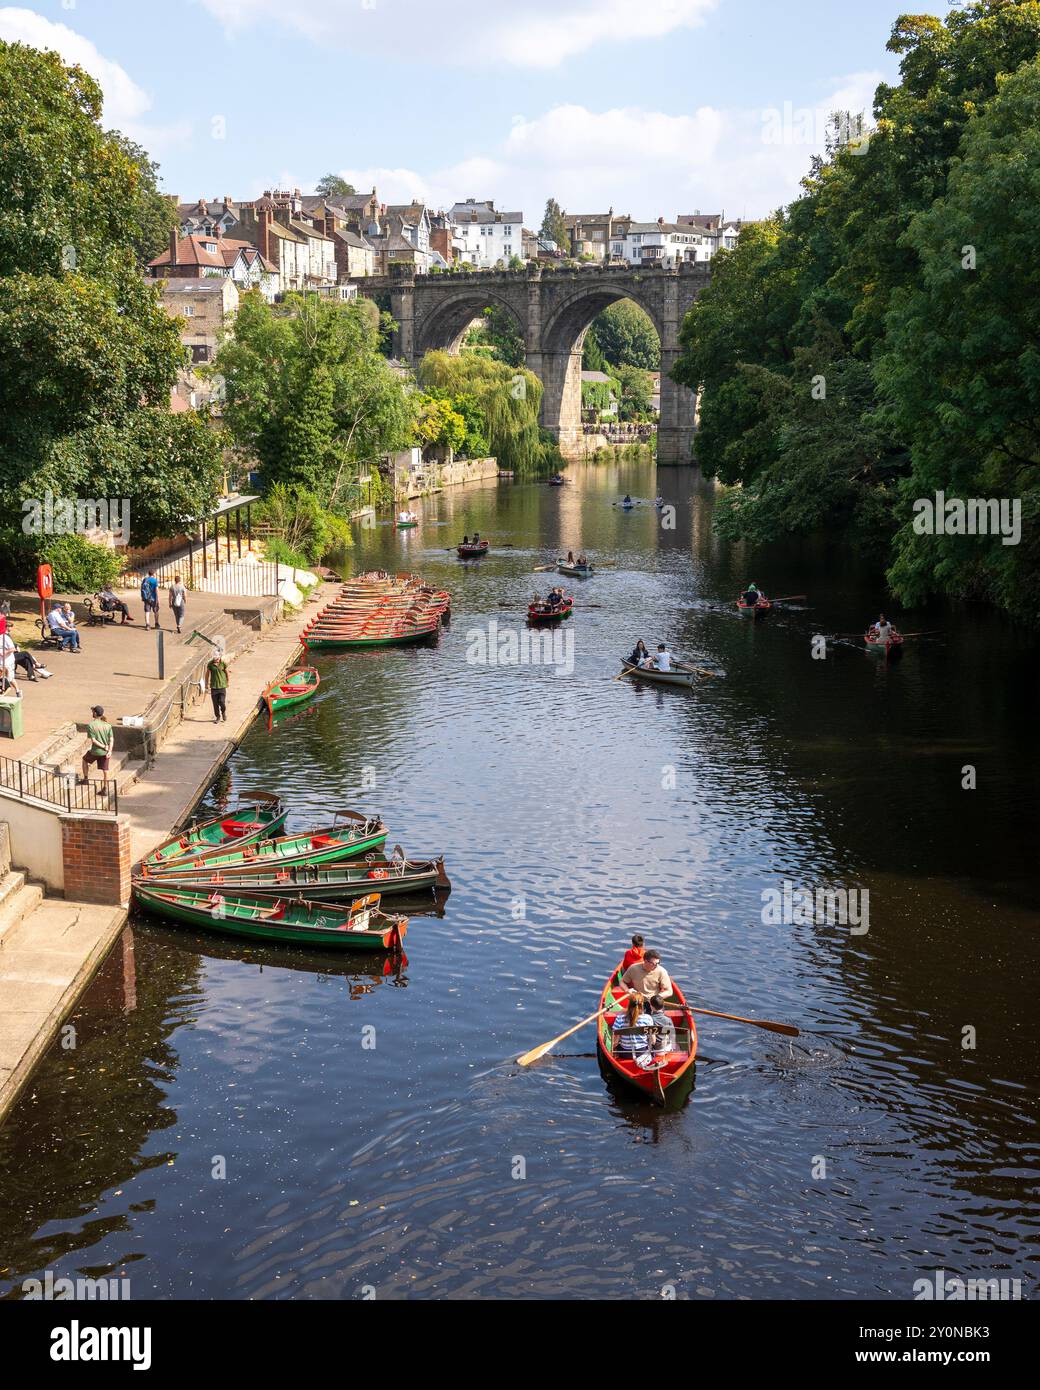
(173,246)
(263,218)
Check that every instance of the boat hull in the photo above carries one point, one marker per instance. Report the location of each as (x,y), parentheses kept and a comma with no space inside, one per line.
(539,615)
(267,819)
(683,679)
(473,552)
(575,571)
(297,687)
(243,915)
(754,610)
(317,883)
(318,847)
(889,650)
(319,642)
(653,1083)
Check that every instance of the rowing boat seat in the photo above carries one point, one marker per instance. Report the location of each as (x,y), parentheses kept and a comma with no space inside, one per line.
(277,912)
(235,828)
(319,841)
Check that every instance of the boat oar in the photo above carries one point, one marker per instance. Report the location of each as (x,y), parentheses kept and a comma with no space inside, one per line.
(789,598)
(935,632)
(543,1048)
(788,1029)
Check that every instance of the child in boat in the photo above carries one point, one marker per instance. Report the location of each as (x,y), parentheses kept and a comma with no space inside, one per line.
(635,1016)
(634,953)
(664,1029)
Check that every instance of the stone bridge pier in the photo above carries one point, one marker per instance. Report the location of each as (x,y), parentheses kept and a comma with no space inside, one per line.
(552,310)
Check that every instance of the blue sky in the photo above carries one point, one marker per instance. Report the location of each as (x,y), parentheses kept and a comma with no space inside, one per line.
(654,107)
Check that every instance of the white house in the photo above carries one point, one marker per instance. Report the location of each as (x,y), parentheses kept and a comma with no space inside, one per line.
(486,235)
(661,243)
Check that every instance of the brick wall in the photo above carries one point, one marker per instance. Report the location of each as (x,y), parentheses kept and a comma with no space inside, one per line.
(96,857)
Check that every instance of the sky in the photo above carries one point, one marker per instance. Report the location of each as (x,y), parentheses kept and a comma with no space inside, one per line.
(651,107)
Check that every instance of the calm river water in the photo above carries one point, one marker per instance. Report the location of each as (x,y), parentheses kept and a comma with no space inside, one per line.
(573,810)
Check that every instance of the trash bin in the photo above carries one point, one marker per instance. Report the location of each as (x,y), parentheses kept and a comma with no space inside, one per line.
(10,717)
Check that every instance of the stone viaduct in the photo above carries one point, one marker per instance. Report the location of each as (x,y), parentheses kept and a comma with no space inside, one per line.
(553,310)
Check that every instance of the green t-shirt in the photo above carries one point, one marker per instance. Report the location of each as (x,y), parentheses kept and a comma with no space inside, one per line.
(99,731)
(218,677)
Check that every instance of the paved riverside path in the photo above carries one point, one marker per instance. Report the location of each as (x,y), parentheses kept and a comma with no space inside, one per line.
(117,667)
(50,948)
(162,796)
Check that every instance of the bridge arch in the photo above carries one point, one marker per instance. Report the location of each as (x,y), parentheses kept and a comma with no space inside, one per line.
(444,325)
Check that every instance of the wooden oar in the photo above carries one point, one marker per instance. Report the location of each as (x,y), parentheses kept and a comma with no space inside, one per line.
(789,598)
(788,1029)
(935,632)
(543,1048)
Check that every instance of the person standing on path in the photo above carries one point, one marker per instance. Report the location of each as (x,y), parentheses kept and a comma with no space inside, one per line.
(150,598)
(178,600)
(217,680)
(102,740)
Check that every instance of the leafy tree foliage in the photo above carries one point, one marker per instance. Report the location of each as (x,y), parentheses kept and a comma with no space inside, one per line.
(624,336)
(848,361)
(310,395)
(507,398)
(89,352)
(554,226)
(332,186)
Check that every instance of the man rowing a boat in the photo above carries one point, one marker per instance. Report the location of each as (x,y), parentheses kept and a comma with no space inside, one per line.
(751,595)
(648,977)
(663,659)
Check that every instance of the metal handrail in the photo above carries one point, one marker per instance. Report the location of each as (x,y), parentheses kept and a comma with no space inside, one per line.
(31,781)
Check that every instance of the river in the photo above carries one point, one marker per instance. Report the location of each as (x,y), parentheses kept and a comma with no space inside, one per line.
(248,1122)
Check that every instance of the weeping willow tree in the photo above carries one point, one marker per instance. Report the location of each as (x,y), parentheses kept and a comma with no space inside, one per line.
(507,398)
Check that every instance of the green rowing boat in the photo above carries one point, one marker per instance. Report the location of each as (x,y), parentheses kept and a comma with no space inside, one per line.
(293,689)
(361,926)
(357,835)
(317,881)
(254,816)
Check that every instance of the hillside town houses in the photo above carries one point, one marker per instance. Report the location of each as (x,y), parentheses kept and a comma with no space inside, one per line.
(288,241)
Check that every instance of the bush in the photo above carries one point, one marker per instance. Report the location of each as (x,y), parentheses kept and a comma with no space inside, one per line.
(78,564)
(279,553)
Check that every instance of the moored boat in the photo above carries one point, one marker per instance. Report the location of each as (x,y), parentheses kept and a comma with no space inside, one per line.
(350,834)
(678,675)
(315,882)
(546,613)
(254,816)
(349,639)
(664,1069)
(293,689)
(473,552)
(357,926)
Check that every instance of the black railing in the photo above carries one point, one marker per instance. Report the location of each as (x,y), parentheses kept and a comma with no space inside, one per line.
(32,781)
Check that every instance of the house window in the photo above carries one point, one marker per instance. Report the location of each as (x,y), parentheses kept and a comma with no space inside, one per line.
(507,231)
(507,250)
(199,352)
(189,311)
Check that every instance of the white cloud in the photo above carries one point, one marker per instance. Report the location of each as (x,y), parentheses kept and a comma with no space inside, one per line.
(125,102)
(541,34)
(648,163)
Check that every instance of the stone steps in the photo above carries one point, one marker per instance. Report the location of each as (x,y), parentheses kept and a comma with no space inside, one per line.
(19,898)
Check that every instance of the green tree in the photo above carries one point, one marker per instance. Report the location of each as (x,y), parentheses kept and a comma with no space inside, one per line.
(332,186)
(507,398)
(554,226)
(499,331)
(89,353)
(626,337)
(438,424)
(154,213)
(960,374)
(637,392)
(310,395)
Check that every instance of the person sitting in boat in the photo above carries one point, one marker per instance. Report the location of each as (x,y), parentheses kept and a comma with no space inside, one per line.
(884,629)
(663,1039)
(634,953)
(663,659)
(476,537)
(648,976)
(628,501)
(465,540)
(751,595)
(555,598)
(640,656)
(570,557)
(583,560)
(635,1016)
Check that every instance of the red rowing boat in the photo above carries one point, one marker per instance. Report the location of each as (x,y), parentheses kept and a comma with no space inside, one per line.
(664,1068)
(544,613)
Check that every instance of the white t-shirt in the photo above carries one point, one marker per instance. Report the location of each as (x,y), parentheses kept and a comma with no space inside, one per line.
(663,661)
(7,650)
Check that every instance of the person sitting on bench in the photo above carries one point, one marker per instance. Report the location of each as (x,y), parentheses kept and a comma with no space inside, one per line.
(62,629)
(111,604)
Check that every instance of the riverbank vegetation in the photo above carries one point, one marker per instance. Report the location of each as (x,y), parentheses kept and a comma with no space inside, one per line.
(90,355)
(874,343)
